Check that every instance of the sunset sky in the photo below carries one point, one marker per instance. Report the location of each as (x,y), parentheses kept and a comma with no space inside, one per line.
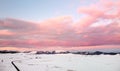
(60,25)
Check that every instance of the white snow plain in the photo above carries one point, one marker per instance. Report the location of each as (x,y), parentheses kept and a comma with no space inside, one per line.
(59,62)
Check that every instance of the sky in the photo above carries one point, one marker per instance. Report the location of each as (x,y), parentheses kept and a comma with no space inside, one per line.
(60,25)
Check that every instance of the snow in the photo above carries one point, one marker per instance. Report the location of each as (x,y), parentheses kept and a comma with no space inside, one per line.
(59,62)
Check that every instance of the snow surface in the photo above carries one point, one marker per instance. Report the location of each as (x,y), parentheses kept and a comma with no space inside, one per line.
(59,62)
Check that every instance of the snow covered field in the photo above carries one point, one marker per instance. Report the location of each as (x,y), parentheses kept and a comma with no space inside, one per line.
(59,62)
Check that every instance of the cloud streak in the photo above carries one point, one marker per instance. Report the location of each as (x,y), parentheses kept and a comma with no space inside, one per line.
(63,32)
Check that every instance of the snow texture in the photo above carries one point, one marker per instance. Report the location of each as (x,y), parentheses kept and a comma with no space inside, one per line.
(59,62)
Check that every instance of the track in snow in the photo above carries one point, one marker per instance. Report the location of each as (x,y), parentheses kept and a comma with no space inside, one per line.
(15,66)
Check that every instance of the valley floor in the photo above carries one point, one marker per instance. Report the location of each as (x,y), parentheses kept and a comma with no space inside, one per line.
(59,62)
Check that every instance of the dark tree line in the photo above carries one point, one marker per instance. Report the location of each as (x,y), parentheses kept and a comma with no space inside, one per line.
(6,51)
(64,52)
(97,53)
(82,53)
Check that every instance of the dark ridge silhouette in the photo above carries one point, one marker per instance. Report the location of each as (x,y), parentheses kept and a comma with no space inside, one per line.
(46,52)
(64,52)
(6,51)
(26,51)
(96,53)
(78,52)
(111,53)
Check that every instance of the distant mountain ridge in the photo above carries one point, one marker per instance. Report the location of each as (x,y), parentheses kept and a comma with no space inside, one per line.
(63,52)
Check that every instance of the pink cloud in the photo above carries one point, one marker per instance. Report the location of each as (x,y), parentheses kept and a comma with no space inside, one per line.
(102,9)
(63,32)
(56,25)
(6,32)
